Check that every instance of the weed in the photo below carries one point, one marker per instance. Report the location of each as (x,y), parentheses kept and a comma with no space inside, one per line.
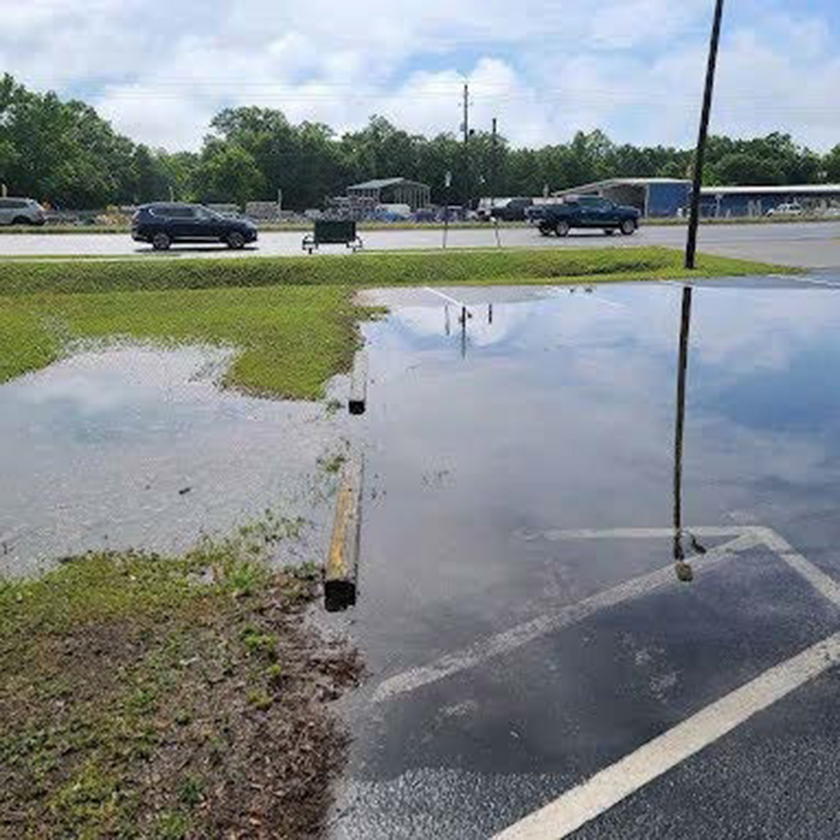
(261,700)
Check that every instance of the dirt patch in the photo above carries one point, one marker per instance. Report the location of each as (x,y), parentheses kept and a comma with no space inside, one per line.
(171,699)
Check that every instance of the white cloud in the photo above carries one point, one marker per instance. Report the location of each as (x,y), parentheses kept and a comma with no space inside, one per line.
(632,67)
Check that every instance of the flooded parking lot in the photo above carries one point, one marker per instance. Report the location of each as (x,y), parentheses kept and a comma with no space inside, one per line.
(598,583)
(529,619)
(138,448)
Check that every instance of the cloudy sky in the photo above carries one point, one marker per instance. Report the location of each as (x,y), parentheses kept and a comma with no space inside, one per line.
(634,68)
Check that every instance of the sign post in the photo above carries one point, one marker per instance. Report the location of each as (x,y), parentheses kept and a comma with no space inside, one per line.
(447,183)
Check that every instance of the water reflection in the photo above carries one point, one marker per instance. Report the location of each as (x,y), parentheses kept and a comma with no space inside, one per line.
(139,447)
(683,569)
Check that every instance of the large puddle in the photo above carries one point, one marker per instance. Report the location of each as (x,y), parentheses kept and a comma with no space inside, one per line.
(140,448)
(554,413)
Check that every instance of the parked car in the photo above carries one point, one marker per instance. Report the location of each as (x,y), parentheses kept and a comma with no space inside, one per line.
(21,211)
(504,209)
(791,208)
(585,212)
(162,224)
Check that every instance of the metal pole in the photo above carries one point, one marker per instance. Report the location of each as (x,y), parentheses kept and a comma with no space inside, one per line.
(495,172)
(694,221)
(493,169)
(683,570)
(447,183)
(467,145)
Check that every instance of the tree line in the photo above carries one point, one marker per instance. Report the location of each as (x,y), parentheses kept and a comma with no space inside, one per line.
(63,152)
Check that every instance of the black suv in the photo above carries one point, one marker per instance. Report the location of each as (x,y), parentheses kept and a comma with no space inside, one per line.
(163,224)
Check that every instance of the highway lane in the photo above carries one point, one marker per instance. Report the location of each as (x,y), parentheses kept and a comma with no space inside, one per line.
(812,245)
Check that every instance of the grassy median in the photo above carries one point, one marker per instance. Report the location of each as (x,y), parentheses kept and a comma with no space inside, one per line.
(291,318)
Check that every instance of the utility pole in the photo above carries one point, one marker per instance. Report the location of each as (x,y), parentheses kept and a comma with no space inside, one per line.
(699,157)
(466,127)
(494,167)
(466,123)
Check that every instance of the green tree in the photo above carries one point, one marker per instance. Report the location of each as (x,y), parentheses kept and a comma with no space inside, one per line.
(744,168)
(227,173)
(831,165)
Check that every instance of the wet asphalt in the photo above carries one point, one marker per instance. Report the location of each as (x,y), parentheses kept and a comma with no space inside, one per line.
(814,245)
(486,445)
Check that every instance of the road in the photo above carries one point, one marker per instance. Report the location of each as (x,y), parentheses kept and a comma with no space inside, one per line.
(812,245)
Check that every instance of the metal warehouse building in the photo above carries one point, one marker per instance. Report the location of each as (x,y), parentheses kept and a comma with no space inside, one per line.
(660,197)
(758,201)
(393,191)
(654,197)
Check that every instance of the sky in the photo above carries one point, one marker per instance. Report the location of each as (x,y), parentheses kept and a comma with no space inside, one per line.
(633,68)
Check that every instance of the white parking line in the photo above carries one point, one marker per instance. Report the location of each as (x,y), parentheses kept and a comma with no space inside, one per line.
(516,637)
(819,580)
(592,798)
(637,533)
(814,282)
(447,298)
(606,301)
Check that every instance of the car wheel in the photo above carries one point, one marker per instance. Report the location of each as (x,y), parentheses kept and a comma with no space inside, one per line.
(20,220)
(545,230)
(628,227)
(161,241)
(562,228)
(236,241)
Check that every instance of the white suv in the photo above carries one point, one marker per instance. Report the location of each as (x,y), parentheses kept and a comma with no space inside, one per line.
(21,211)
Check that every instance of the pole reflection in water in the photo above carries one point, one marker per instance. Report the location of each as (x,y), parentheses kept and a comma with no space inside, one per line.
(464,333)
(683,569)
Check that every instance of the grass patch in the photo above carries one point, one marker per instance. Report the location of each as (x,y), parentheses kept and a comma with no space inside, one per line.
(291,319)
(143,697)
(371,269)
(290,340)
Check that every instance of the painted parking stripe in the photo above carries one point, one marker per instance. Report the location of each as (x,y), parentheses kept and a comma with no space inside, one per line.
(443,296)
(814,282)
(516,637)
(636,533)
(819,580)
(583,803)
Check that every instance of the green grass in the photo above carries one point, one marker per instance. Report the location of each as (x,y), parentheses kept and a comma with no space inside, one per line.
(479,266)
(288,340)
(141,696)
(291,320)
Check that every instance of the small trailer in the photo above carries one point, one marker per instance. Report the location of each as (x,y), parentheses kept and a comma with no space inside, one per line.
(332,232)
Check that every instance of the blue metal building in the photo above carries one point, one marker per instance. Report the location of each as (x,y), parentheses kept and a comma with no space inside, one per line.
(727,202)
(663,197)
(654,197)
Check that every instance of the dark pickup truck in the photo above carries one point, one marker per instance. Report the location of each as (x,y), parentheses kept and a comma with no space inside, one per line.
(584,212)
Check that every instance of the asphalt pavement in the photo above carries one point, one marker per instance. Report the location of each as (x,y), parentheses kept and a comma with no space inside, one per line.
(538,666)
(812,245)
